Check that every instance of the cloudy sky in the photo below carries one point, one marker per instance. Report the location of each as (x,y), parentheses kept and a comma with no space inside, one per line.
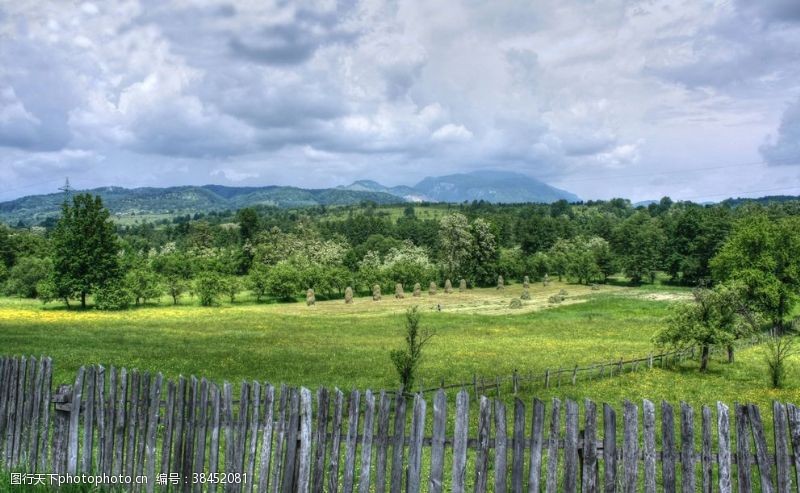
(694,99)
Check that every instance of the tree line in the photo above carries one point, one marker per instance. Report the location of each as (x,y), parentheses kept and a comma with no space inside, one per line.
(278,254)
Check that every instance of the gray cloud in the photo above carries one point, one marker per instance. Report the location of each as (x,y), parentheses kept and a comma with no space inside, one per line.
(785,148)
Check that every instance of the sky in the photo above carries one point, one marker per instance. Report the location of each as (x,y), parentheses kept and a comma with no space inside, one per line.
(698,100)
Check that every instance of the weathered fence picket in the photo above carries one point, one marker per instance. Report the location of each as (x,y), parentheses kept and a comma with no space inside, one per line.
(115,421)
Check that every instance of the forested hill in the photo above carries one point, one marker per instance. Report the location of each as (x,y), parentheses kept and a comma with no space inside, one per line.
(489,186)
(189,200)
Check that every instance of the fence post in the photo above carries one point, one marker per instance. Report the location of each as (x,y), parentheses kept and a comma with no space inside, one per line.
(514,381)
(547,378)
(574,374)
(620,367)
(62,400)
(650,361)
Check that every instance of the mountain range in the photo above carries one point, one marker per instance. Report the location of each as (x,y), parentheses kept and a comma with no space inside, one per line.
(490,186)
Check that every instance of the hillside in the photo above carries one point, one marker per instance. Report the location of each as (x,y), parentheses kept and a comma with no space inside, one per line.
(491,186)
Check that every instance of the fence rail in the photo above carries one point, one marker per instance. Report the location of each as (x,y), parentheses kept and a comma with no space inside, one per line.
(189,431)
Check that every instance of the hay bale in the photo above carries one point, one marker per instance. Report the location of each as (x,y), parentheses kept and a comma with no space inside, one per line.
(526,295)
(526,282)
(556,298)
(595,287)
(376,292)
(545,280)
(448,286)
(432,288)
(417,290)
(562,292)
(398,291)
(500,282)
(515,303)
(310,298)
(348,295)
(462,285)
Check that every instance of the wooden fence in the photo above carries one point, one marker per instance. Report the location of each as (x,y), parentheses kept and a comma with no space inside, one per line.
(193,433)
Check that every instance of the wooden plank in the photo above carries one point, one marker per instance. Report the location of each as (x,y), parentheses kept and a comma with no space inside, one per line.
(667,447)
(190,419)
(589,480)
(336,442)
(169,425)
(152,429)
(724,448)
(25,439)
(763,458)
(61,430)
(32,454)
(304,467)
(460,436)
(228,429)
(482,448)
(11,411)
(213,446)
(5,369)
(571,448)
(88,421)
(110,410)
(179,420)
(500,448)
(435,483)
(291,441)
(610,448)
(44,428)
(255,424)
(19,413)
(414,479)
(366,444)
(74,423)
(687,448)
(318,472)
(706,464)
(130,418)
(141,427)
(280,439)
(782,463)
(794,432)
(242,427)
(537,442)
(630,449)
(200,428)
(266,439)
(384,411)
(551,485)
(398,443)
(353,409)
(518,447)
(100,415)
(119,423)
(743,459)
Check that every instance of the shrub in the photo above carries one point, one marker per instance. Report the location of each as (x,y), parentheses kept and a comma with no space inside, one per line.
(310,298)
(398,291)
(114,295)
(417,290)
(407,360)
(348,295)
(26,274)
(432,288)
(500,282)
(777,351)
(448,287)
(208,287)
(376,292)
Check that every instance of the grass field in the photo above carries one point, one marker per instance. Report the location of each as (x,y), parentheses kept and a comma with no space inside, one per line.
(348,346)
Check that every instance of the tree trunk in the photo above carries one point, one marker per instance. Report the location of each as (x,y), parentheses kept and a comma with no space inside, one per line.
(704,358)
(83,299)
(730,354)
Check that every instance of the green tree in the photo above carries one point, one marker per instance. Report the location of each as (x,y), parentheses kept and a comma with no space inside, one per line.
(7,253)
(407,359)
(84,248)
(258,281)
(282,281)
(639,241)
(26,274)
(143,284)
(712,318)
(230,287)
(483,254)
(455,244)
(175,269)
(208,286)
(762,254)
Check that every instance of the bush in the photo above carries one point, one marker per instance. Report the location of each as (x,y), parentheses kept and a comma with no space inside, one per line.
(113,296)
(208,286)
(777,351)
(25,275)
